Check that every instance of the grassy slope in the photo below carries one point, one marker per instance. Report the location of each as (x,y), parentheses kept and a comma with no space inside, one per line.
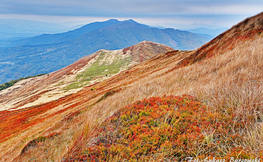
(108,63)
(229,82)
(164,128)
(12,82)
(101,68)
(217,81)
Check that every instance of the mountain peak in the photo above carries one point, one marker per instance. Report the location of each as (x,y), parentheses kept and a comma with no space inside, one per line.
(145,50)
(100,65)
(110,35)
(113,20)
(131,20)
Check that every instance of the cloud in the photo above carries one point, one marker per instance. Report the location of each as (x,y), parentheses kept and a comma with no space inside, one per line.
(129,7)
(172,13)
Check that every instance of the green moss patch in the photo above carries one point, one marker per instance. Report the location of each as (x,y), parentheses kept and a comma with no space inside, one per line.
(102,67)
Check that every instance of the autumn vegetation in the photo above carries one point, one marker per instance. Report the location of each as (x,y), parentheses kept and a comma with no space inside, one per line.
(12,82)
(201,103)
(166,128)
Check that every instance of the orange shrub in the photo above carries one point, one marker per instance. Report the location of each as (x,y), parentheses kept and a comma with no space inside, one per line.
(158,128)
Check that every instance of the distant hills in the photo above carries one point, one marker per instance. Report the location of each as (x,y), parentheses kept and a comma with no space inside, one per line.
(50,52)
(203,103)
(111,26)
(88,70)
(208,32)
(60,37)
(17,28)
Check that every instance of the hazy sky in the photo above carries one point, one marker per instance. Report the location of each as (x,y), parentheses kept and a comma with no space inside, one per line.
(168,13)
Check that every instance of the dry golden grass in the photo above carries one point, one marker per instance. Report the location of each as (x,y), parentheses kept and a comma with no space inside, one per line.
(232,80)
(229,80)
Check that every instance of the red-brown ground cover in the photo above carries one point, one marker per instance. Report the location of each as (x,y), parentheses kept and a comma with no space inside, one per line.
(168,127)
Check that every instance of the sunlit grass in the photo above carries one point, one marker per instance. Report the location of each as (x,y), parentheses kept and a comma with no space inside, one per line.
(101,68)
(166,128)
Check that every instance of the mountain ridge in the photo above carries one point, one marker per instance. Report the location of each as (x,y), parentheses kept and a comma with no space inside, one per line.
(30,60)
(245,30)
(66,36)
(90,69)
(225,75)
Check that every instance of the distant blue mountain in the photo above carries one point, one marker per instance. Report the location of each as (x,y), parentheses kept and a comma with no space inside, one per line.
(47,53)
(60,37)
(208,32)
(10,28)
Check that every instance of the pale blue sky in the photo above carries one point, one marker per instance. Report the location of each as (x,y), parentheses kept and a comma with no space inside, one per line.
(180,14)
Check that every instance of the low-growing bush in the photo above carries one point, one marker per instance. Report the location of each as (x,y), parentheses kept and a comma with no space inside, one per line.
(165,128)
